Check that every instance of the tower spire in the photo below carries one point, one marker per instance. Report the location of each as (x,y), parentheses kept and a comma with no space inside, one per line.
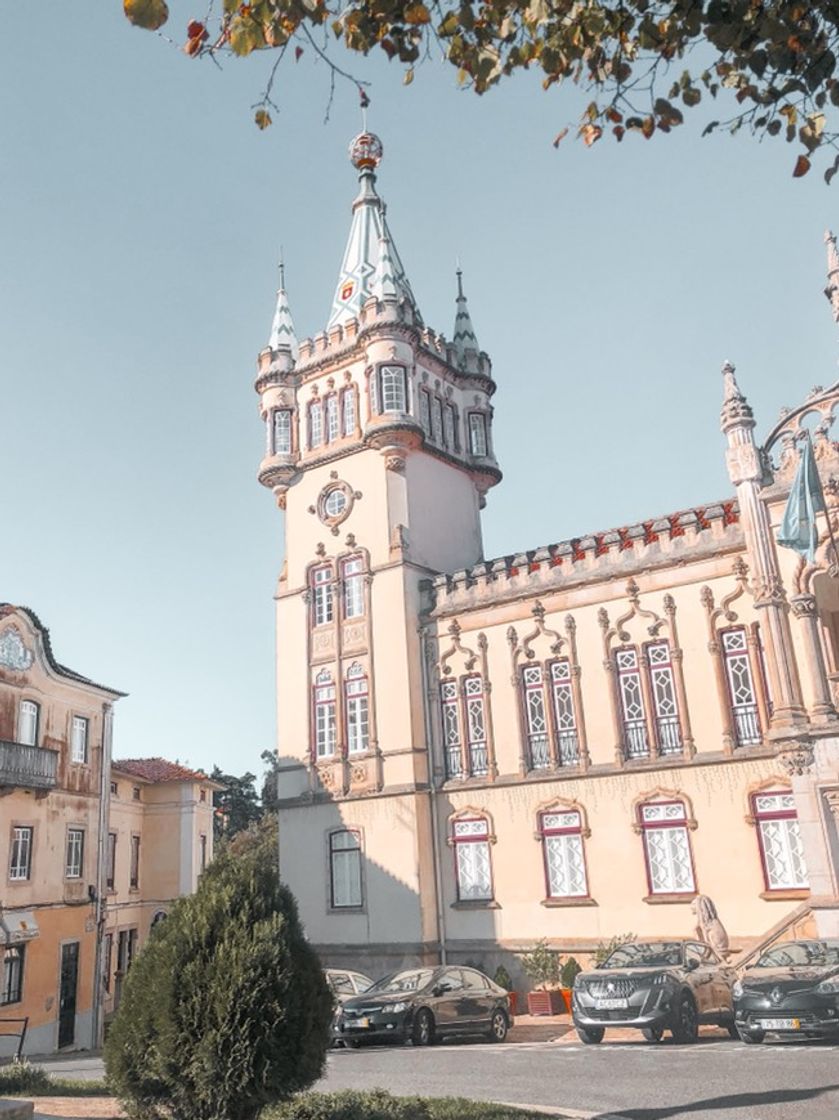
(282,336)
(385,286)
(362,266)
(832,289)
(465,340)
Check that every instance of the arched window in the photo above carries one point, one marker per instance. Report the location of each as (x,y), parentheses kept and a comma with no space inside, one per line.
(348,410)
(473,870)
(345,886)
(322,599)
(464,710)
(664,831)
(352,574)
(781,849)
(568,747)
(282,431)
(331,408)
(668,731)
(324,714)
(315,423)
(478,434)
(393,395)
(741,686)
(29,719)
(535,716)
(451,729)
(635,742)
(357,706)
(476,732)
(450,427)
(561,831)
(659,728)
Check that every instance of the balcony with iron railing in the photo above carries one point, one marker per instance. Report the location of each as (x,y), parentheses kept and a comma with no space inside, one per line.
(540,755)
(25,767)
(669,733)
(746,725)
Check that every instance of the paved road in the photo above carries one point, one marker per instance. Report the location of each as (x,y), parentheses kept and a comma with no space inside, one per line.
(714,1080)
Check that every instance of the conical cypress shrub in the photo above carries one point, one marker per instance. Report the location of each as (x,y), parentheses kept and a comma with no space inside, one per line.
(226,1009)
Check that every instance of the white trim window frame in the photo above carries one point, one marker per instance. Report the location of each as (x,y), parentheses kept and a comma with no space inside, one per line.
(78,740)
(667,850)
(323,606)
(473,865)
(565,716)
(452,746)
(315,416)
(668,727)
(346,890)
(779,835)
(332,423)
(478,440)
(74,862)
(394,391)
(29,723)
(348,410)
(281,432)
(357,701)
(741,686)
(352,575)
(20,856)
(562,848)
(324,715)
(535,717)
(476,725)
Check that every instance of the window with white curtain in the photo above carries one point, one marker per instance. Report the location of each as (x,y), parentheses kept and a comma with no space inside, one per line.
(356,695)
(470,837)
(345,870)
(348,410)
(562,841)
(78,740)
(29,718)
(394,397)
(282,431)
(352,572)
(781,848)
(324,706)
(667,847)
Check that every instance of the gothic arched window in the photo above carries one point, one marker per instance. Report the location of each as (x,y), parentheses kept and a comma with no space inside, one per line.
(393,395)
(324,714)
(356,697)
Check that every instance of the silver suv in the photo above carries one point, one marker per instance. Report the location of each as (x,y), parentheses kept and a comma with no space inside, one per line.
(655,986)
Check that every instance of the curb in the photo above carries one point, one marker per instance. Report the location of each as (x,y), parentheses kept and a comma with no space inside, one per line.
(16,1110)
(563,1113)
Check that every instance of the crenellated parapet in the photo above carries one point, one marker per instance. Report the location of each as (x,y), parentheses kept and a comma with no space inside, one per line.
(633,549)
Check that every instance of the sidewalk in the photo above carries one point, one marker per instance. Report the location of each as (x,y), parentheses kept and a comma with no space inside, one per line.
(540,1028)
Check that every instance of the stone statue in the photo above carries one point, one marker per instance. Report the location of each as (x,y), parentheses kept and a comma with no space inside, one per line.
(708,925)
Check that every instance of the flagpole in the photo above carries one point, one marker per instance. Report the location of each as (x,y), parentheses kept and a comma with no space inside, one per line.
(824,503)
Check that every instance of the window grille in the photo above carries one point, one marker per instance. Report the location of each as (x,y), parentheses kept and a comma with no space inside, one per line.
(425,411)
(663,688)
(476,737)
(477,434)
(324,715)
(315,423)
(741,689)
(566,720)
(358,716)
(353,577)
(282,431)
(322,602)
(30,717)
(632,704)
(75,853)
(472,861)
(12,989)
(345,870)
(348,409)
(450,427)
(451,729)
(781,849)
(562,841)
(78,740)
(393,389)
(535,716)
(667,848)
(20,863)
(332,428)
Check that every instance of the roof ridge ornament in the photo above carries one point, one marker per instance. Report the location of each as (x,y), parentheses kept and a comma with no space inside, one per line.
(735,407)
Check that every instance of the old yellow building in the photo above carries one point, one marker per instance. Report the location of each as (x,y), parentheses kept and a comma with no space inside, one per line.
(572,742)
(91,851)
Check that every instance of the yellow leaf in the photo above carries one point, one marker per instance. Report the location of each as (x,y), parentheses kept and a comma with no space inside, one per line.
(802,166)
(409,76)
(148,14)
(262,118)
(416,14)
(560,136)
(591,133)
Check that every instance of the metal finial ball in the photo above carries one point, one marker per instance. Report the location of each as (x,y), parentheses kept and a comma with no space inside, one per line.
(366,151)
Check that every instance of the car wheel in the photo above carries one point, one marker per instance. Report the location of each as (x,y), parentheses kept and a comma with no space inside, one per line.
(653,1034)
(498,1027)
(751,1038)
(686,1024)
(732,1030)
(352,1043)
(590,1035)
(423,1032)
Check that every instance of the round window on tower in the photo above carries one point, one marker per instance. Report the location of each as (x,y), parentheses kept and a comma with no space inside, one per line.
(335,504)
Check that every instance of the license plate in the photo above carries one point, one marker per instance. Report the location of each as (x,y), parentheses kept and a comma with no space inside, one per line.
(356,1024)
(610,1004)
(779,1024)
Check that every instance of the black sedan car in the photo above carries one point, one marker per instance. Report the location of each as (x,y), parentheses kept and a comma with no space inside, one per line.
(423,1004)
(793,990)
(655,986)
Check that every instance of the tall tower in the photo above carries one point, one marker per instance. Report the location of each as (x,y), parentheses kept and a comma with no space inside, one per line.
(379,450)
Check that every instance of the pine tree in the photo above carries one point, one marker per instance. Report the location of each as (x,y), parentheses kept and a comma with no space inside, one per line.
(226,1009)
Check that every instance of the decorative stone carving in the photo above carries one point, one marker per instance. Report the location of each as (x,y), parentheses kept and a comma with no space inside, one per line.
(395,462)
(831,798)
(709,928)
(803,606)
(798,760)
(13,652)
(743,462)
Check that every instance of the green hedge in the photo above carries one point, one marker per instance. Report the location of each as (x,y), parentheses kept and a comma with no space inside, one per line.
(379,1105)
(20,1079)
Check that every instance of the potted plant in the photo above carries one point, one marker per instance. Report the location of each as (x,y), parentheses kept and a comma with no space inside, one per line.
(567,976)
(542,966)
(503,979)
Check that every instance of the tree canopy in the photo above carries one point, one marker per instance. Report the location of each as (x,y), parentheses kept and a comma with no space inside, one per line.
(770,64)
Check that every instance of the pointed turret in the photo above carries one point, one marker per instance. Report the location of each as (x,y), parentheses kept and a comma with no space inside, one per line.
(464,339)
(364,270)
(283,337)
(832,289)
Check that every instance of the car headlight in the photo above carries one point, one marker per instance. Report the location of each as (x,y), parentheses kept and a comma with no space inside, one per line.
(737,989)
(661,979)
(830,986)
(395,1008)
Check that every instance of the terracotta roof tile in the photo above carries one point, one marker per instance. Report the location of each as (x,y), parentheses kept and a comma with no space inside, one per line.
(159,770)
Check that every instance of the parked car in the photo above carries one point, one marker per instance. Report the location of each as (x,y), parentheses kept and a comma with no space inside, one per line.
(793,989)
(423,1004)
(656,986)
(345,984)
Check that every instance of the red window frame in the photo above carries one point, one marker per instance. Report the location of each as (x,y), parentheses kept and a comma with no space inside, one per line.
(332,703)
(362,685)
(576,830)
(646,826)
(761,815)
(478,838)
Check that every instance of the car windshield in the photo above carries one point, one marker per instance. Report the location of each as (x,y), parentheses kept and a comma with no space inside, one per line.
(411,981)
(645,954)
(801,954)
(362,983)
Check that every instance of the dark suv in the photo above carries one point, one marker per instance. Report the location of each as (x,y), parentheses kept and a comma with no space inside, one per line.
(655,986)
(792,990)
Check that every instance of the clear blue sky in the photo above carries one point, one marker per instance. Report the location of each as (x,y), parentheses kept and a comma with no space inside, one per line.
(140,222)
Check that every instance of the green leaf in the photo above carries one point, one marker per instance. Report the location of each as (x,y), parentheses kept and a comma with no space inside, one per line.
(148,14)
(246,35)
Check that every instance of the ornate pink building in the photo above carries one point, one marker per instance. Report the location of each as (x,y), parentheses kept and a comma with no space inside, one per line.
(571,742)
